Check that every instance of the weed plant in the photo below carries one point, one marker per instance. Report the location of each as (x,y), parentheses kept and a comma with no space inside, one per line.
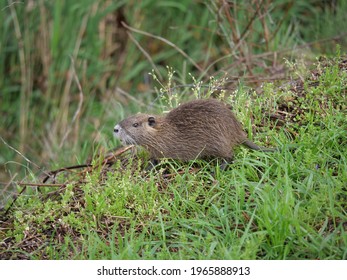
(285,205)
(111,46)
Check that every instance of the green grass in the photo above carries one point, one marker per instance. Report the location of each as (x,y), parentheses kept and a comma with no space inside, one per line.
(39,41)
(285,205)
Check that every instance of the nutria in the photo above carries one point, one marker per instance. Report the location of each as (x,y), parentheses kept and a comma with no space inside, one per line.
(204,128)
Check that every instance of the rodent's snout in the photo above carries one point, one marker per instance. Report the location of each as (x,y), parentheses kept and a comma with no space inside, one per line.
(123,136)
(116,129)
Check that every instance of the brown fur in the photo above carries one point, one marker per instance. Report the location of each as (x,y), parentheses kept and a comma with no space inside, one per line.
(197,129)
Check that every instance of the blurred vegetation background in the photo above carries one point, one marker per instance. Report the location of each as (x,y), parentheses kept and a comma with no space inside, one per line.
(71,69)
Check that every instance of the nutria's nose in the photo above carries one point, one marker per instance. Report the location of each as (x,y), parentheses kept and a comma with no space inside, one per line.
(116,129)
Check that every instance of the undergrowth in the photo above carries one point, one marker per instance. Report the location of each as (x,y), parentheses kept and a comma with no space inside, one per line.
(108,47)
(285,205)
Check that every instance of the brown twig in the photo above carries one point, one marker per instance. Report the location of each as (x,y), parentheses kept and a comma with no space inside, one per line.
(39,185)
(109,159)
(267,54)
(111,155)
(165,41)
(72,75)
(56,172)
(286,10)
(80,103)
(14,200)
(129,96)
(236,38)
(244,32)
(24,99)
(263,23)
(145,54)
(23,156)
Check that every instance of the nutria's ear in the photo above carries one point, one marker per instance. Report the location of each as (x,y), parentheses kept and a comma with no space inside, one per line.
(151,121)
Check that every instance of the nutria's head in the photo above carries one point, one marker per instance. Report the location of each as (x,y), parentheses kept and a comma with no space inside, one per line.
(138,129)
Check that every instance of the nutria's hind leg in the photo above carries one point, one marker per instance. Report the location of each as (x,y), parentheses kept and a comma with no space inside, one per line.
(226,159)
(225,162)
(151,164)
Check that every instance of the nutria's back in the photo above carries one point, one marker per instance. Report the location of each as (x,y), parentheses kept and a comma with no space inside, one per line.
(196,129)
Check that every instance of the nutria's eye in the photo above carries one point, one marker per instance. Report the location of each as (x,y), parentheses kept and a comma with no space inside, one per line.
(135,124)
(151,121)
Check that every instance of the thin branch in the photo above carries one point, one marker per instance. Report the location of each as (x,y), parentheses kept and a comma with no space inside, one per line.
(80,103)
(166,42)
(236,39)
(244,32)
(39,185)
(11,4)
(23,156)
(24,74)
(55,172)
(127,95)
(145,54)
(270,53)
(14,200)
(4,191)
(64,101)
